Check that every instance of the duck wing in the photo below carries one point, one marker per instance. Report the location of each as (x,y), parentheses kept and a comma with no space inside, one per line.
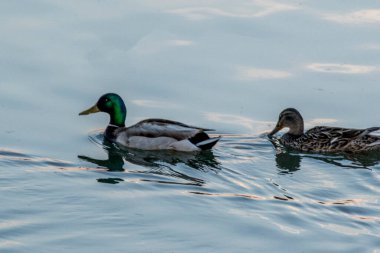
(336,138)
(164,128)
(323,132)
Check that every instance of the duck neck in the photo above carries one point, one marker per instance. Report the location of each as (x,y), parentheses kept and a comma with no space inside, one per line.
(118,115)
(296,129)
(117,119)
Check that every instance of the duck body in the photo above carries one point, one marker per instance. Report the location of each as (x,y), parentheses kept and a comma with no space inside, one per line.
(150,134)
(161,134)
(323,138)
(333,139)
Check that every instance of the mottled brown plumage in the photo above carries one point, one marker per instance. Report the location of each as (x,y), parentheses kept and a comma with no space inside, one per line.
(323,138)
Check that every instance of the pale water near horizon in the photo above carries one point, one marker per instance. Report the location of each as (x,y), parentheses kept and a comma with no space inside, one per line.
(230,66)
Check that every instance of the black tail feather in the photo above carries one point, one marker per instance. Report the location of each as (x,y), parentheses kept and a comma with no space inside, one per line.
(201,141)
(208,144)
(199,137)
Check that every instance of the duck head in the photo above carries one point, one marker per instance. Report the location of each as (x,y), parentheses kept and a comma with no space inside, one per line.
(291,119)
(112,104)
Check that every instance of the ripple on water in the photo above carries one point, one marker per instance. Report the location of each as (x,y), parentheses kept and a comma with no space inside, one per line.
(260,189)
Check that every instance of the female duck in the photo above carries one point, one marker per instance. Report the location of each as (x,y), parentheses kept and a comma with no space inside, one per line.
(149,134)
(324,139)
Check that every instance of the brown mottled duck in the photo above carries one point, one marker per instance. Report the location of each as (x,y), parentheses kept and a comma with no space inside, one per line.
(323,138)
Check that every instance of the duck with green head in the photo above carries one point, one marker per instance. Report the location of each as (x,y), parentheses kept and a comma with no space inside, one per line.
(149,134)
(323,138)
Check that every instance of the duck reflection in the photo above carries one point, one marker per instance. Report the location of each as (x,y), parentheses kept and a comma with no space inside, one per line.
(158,162)
(115,161)
(286,161)
(289,161)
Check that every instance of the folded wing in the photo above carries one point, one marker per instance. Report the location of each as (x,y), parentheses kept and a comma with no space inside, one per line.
(164,128)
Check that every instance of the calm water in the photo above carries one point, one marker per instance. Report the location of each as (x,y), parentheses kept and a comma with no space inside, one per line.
(228,65)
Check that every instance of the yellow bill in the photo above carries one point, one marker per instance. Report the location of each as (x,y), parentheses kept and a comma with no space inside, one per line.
(93,109)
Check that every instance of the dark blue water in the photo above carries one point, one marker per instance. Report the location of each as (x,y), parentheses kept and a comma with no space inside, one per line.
(232,66)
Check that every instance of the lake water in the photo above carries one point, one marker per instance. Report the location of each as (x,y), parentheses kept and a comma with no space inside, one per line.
(228,65)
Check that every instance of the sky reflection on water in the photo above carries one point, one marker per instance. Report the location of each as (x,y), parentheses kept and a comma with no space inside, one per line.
(231,66)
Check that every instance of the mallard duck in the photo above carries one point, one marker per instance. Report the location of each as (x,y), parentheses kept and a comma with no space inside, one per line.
(322,138)
(149,134)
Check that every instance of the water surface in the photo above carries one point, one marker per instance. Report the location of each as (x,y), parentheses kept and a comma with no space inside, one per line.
(228,66)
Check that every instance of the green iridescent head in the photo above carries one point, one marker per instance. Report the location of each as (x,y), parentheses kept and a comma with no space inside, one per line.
(112,104)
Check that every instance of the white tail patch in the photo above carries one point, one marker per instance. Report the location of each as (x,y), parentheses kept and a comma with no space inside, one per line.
(374,143)
(208,141)
(375,133)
